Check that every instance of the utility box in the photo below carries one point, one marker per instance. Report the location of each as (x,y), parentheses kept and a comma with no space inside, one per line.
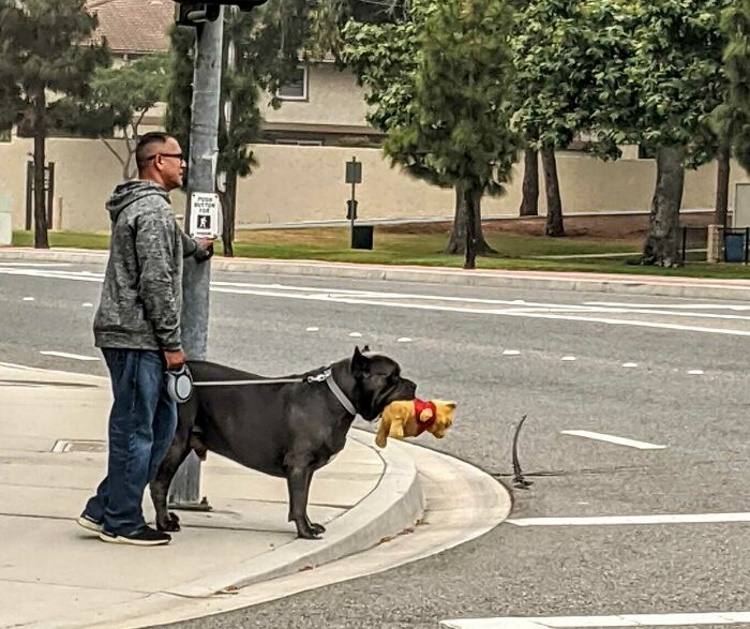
(6,221)
(736,245)
(362,236)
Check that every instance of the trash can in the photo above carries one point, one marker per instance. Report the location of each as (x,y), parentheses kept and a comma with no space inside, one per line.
(734,247)
(362,236)
(6,221)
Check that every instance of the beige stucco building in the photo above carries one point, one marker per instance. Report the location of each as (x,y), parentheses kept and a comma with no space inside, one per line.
(305,144)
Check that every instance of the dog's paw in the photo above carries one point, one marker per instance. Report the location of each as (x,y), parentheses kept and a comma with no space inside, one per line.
(314,531)
(171,524)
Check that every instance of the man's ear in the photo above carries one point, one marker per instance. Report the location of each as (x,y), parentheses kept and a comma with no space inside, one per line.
(360,364)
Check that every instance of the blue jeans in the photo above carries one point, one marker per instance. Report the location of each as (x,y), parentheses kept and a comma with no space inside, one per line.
(142,424)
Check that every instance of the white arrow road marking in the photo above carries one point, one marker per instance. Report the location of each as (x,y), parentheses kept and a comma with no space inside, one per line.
(620,441)
(620,520)
(625,620)
(66,355)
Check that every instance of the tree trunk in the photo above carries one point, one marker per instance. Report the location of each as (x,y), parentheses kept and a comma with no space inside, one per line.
(530,200)
(472,201)
(722,186)
(40,205)
(229,211)
(457,241)
(662,241)
(554,226)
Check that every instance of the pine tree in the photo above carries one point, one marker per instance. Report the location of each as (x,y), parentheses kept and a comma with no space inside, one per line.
(46,49)
(734,114)
(460,129)
(440,84)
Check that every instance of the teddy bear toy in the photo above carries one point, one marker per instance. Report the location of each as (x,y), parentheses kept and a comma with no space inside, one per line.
(410,418)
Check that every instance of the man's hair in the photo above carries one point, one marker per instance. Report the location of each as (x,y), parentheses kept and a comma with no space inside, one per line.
(143,149)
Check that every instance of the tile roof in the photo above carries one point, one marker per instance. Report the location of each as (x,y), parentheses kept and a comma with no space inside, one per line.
(133,26)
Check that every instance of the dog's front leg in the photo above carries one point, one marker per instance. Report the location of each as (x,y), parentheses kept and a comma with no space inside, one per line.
(298,480)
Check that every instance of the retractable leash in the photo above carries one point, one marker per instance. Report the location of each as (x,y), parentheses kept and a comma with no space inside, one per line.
(180,385)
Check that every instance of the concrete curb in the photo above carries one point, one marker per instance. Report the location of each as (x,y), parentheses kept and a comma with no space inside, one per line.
(665,286)
(452,518)
(396,504)
(397,500)
(478,505)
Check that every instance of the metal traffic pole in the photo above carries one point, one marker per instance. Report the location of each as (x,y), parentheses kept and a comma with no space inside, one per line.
(184,492)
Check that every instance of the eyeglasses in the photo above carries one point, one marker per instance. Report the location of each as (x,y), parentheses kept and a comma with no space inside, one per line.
(179,156)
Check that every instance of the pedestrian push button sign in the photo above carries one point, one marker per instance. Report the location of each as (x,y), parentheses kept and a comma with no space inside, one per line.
(205,215)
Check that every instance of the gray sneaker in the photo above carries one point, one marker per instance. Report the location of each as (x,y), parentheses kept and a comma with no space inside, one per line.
(89,523)
(145,536)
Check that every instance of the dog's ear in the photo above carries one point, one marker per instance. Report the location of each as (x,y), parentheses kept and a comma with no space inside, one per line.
(360,364)
(366,348)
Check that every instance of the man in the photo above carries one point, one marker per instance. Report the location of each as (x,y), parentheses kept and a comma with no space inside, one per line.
(137,327)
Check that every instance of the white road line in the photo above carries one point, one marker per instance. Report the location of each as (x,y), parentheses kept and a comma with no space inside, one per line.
(622,304)
(567,312)
(491,311)
(620,441)
(620,520)
(66,355)
(36,264)
(625,620)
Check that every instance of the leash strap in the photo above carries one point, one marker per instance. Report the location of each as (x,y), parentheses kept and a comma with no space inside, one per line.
(324,376)
(227,383)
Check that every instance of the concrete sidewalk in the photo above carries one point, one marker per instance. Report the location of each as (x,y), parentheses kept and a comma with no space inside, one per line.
(656,285)
(55,574)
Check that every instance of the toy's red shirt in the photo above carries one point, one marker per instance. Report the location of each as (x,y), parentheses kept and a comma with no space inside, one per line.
(419,407)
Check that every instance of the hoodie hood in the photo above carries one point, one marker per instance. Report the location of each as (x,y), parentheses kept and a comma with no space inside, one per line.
(130,191)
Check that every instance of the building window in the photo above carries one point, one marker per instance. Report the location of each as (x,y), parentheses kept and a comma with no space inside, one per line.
(296,87)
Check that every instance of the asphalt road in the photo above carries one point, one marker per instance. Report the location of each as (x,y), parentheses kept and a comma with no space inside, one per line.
(667,373)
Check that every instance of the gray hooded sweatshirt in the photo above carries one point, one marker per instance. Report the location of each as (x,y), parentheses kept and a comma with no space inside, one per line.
(142,293)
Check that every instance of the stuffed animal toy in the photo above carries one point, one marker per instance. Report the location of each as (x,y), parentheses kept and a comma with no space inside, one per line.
(410,418)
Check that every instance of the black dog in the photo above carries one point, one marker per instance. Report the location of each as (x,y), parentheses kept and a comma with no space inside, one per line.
(287,429)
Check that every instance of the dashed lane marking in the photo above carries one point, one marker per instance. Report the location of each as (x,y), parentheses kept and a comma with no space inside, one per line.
(620,441)
(66,355)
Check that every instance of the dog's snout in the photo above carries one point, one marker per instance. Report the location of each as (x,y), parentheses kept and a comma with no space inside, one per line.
(411,387)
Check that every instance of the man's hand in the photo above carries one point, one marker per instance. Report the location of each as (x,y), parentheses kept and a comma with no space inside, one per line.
(174,359)
(205,249)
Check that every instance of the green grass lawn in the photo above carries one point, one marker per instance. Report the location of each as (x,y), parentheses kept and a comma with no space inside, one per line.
(414,245)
